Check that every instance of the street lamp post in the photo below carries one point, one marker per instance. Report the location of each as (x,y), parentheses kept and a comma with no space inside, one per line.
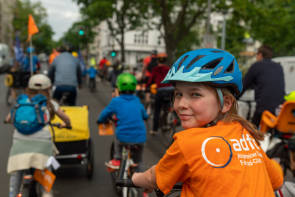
(223,31)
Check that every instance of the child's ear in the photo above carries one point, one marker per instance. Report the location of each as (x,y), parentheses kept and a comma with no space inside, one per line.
(227,103)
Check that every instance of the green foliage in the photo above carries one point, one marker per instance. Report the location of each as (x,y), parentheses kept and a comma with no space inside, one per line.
(42,41)
(181,22)
(75,39)
(274,25)
(269,21)
(121,16)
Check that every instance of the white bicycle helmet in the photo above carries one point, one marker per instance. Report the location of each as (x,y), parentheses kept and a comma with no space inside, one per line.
(39,82)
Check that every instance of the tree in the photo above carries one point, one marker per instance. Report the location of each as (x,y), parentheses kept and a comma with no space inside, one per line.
(42,41)
(269,21)
(74,36)
(121,16)
(273,24)
(180,21)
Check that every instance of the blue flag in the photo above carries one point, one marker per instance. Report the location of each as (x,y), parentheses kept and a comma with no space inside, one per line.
(82,64)
(18,51)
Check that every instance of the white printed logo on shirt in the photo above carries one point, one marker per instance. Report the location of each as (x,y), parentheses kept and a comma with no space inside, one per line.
(218,152)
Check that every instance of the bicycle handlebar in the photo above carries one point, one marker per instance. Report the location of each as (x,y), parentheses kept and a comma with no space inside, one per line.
(125,183)
(129,183)
(58,125)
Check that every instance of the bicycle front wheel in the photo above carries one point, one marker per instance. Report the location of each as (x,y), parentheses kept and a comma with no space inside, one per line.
(134,192)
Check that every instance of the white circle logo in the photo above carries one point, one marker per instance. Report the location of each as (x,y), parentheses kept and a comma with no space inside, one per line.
(216,151)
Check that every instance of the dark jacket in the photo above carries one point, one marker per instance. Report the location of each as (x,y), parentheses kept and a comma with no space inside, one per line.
(267,79)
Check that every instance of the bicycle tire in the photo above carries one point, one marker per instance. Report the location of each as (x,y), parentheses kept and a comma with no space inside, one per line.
(8,97)
(25,192)
(92,85)
(114,174)
(90,160)
(134,192)
(168,127)
(29,190)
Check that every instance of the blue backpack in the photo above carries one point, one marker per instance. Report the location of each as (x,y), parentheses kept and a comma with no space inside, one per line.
(29,115)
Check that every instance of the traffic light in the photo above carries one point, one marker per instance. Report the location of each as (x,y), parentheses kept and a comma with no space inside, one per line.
(113,53)
(81,32)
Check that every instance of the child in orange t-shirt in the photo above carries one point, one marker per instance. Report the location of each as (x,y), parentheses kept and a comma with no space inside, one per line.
(218,153)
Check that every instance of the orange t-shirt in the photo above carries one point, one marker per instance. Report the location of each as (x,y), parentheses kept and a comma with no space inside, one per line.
(222,160)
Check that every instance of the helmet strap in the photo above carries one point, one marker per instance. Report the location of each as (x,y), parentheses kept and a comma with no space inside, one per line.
(220,95)
(220,116)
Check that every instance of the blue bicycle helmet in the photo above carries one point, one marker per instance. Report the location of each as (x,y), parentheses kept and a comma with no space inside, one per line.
(214,66)
(30,49)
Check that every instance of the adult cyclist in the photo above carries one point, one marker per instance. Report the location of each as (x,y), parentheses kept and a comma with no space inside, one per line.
(164,91)
(65,73)
(26,65)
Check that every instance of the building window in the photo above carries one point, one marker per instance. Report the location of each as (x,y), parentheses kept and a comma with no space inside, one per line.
(146,38)
(141,38)
(159,40)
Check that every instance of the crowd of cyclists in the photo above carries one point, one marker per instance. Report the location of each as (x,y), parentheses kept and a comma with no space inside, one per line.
(217,153)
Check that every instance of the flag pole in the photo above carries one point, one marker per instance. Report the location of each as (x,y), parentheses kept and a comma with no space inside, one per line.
(31,57)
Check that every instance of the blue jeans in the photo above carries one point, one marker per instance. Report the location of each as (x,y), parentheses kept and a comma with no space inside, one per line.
(70,98)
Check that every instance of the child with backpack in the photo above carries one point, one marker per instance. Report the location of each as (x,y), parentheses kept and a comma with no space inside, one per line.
(218,153)
(32,144)
(130,115)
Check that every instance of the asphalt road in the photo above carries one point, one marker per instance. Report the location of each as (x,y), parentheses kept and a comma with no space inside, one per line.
(72,181)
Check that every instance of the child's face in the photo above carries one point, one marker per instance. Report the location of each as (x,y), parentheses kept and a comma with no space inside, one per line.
(195,104)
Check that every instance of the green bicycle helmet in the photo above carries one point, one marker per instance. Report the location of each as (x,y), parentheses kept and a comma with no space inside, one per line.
(126,82)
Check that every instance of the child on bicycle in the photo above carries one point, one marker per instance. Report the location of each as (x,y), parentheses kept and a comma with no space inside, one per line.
(130,115)
(92,72)
(33,150)
(218,153)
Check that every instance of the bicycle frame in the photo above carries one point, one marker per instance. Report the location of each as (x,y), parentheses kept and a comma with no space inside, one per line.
(28,185)
(125,171)
(128,183)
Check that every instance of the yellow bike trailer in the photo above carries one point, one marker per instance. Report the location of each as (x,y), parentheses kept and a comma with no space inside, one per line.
(75,145)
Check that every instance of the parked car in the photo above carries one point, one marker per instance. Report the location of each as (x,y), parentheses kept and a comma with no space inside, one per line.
(5,57)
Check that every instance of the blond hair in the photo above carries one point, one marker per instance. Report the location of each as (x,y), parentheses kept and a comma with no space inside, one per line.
(232,116)
(31,93)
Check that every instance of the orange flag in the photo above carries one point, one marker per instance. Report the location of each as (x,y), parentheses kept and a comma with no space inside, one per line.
(32,27)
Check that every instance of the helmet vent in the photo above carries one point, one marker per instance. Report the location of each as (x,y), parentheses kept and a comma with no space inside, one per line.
(38,84)
(194,61)
(211,65)
(230,69)
(218,70)
(180,63)
(215,51)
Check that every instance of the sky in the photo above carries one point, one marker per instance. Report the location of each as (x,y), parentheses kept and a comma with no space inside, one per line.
(61,15)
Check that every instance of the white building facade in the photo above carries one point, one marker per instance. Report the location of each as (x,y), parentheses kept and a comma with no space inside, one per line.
(138,44)
(6,19)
